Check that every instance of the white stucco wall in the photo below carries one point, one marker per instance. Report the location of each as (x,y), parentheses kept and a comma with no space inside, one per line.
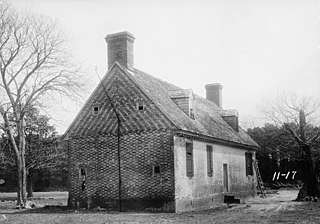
(202,191)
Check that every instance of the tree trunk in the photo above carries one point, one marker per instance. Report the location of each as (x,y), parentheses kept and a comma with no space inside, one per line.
(24,182)
(21,165)
(22,148)
(30,184)
(307,166)
(21,189)
(19,184)
(310,182)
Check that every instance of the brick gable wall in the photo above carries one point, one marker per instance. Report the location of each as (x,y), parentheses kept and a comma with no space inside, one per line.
(145,141)
(125,94)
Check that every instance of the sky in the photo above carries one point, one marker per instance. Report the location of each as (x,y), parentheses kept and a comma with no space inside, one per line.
(254,48)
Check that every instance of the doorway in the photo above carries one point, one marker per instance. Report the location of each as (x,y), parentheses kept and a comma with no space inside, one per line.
(225,178)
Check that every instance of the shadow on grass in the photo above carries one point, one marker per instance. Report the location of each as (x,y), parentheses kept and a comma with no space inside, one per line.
(8,199)
(56,209)
(46,209)
(49,209)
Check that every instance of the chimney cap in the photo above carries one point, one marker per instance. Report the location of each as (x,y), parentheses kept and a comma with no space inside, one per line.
(213,85)
(119,35)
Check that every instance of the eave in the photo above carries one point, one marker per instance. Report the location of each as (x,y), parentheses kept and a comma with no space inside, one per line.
(210,139)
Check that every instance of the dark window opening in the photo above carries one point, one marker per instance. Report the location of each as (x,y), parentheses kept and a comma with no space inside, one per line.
(83,177)
(82,172)
(209,161)
(189,159)
(249,164)
(96,110)
(140,106)
(156,169)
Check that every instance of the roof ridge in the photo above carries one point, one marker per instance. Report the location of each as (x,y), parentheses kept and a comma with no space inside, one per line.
(158,79)
(209,120)
(179,88)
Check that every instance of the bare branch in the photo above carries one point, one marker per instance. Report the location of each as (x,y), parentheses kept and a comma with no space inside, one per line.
(34,64)
(296,114)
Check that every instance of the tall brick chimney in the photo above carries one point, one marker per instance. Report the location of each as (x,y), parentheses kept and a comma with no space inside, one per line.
(120,49)
(214,93)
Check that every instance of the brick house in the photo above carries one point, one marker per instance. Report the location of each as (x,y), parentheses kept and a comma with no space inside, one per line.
(142,143)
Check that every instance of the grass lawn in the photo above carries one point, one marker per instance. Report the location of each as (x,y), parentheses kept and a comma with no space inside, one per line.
(276,208)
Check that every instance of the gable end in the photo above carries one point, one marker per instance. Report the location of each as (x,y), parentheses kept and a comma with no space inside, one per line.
(126,97)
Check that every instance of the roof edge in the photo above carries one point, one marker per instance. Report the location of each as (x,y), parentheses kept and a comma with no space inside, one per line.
(66,133)
(215,140)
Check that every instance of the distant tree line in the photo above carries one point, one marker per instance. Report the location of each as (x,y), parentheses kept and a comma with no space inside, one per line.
(279,154)
(291,142)
(46,158)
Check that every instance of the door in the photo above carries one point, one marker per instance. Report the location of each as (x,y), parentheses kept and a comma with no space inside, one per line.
(225,178)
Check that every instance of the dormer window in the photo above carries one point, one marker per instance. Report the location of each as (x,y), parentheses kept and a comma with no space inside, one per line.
(184,99)
(95,110)
(231,117)
(191,113)
(191,107)
(140,106)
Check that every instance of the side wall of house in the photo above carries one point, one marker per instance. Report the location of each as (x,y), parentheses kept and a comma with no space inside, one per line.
(201,190)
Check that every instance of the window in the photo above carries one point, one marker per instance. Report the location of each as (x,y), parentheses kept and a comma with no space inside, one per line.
(191,113)
(140,106)
(82,172)
(83,177)
(191,105)
(156,170)
(249,164)
(189,159)
(209,161)
(95,110)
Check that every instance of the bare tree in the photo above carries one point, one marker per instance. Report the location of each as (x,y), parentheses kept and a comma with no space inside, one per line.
(298,116)
(34,66)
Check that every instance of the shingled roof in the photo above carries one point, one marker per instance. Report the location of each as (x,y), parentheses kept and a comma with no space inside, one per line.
(207,118)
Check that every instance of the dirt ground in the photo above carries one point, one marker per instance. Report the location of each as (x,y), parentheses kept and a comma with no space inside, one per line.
(276,208)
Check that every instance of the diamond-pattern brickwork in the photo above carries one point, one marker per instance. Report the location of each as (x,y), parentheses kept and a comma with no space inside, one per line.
(145,141)
(124,93)
(139,153)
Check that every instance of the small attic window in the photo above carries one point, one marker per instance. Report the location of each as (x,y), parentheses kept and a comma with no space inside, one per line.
(95,110)
(156,170)
(140,106)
